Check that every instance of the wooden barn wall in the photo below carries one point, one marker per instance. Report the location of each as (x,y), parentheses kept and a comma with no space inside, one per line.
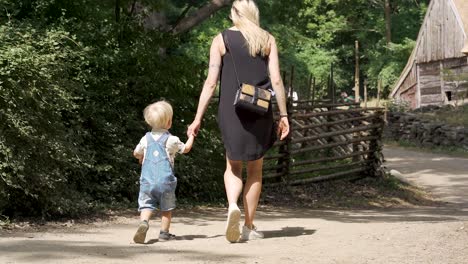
(430,83)
(410,96)
(442,35)
(410,80)
(457,71)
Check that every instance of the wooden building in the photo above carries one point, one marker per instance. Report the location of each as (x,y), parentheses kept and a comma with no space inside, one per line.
(433,74)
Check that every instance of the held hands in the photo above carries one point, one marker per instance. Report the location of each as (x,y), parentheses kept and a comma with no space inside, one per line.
(193,128)
(283,128)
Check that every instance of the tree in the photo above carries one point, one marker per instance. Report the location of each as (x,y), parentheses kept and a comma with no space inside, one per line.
(186,23)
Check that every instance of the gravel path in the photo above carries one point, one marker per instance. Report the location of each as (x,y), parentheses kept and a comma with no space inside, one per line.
(418,235)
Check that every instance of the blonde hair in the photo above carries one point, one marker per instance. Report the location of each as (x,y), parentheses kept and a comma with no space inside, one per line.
(246,17)
(158,115)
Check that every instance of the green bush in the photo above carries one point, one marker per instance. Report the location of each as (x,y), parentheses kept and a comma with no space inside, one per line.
(42,146)
(71,114)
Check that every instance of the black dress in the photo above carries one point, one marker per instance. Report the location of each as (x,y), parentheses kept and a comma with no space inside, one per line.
(246,135)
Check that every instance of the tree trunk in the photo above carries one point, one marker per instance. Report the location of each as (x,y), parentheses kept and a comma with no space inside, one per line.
(117,11)
(388,22)
(199,16)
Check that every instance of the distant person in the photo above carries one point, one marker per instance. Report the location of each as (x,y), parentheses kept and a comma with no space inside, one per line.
(243,53)
(295,97)
(345,98)
(156,152)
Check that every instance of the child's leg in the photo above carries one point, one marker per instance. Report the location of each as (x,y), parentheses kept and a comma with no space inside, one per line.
(164,235)
(166,218)
(140,234)
(145,215)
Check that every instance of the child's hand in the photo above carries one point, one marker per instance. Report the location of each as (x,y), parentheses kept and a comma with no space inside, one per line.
(189,144)
(139,156)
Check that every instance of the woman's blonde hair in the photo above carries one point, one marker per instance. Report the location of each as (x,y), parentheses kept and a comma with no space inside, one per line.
(158,115)
(246,17)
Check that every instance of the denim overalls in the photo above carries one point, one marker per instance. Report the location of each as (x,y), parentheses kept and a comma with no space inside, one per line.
(157,181)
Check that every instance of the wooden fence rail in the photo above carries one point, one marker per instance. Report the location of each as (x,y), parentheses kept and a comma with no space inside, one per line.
(327,141)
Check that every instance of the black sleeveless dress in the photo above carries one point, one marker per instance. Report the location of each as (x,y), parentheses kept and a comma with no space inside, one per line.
(246,135)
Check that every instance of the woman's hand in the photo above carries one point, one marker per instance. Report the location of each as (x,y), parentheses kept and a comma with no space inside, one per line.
(283,127)
(193,128)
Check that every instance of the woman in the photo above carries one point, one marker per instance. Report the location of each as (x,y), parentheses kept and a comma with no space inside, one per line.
(244,53)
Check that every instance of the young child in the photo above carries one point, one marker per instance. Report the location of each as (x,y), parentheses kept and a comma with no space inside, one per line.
(156,152)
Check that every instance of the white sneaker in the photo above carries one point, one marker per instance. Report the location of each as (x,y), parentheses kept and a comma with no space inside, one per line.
(251,234)
(232,225)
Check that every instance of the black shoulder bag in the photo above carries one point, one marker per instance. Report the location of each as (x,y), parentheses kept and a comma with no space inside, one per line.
(250,97)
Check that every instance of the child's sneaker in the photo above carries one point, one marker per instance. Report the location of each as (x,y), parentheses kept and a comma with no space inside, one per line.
(140,234)
(165,236)
(232,225)
(251,234)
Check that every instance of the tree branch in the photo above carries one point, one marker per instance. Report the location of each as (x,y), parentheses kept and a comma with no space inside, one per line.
(182,16)
(199,16)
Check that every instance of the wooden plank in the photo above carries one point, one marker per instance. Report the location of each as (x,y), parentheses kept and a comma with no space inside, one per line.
(342,132)
(334,112)
(339,166)
(274,156)
(329,176)
(342,157)
(314,106)
(429,99)
(281,166)
(431,90)
(360,118)
(335,144)
(272,175)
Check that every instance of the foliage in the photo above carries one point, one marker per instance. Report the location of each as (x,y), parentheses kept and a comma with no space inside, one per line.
(72,98)
(76,75)
(397,105)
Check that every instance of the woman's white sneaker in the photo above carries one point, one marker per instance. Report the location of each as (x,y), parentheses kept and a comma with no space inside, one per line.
(232,225)
(251,234)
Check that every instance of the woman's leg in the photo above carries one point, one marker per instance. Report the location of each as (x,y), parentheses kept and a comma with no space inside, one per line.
(233,180)
(233,185)
(252,190)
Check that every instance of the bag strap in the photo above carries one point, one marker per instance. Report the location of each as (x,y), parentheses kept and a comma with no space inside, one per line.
(232,56)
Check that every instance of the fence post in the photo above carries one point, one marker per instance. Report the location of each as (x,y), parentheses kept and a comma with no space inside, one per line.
(365,94)
(309,86)
(375,157)
(332,85)
(356,74)
(290,111)
(379,87)
(313,91)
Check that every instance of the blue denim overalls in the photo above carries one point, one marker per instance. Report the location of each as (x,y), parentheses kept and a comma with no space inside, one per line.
(157,181)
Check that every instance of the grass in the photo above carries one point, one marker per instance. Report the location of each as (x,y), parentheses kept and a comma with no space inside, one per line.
(366,193)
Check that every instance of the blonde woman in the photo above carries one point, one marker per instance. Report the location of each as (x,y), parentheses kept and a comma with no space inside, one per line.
(248,53)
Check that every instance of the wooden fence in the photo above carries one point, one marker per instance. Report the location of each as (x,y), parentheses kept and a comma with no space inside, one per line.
(327,141)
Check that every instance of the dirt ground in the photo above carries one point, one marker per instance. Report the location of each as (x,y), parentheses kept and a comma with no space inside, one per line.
(424,234)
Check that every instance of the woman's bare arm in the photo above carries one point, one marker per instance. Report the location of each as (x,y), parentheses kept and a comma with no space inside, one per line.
(210,83)
(275,76)
(278,87)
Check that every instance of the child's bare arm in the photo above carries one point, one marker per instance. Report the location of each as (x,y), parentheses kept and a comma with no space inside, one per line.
(139,156)
(189,144)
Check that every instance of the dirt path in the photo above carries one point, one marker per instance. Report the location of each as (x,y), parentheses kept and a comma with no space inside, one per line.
(419,235)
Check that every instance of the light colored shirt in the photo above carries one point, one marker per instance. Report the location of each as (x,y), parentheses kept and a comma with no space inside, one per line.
(173,144)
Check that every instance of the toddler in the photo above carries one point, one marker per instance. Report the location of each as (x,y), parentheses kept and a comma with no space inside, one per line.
(156,152)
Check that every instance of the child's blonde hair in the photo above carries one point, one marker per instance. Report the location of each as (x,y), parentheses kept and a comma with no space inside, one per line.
(158,115)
